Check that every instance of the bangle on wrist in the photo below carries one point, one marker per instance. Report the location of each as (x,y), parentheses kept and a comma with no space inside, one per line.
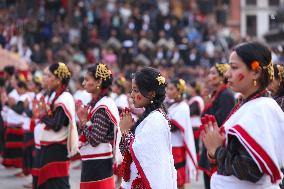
(125,132)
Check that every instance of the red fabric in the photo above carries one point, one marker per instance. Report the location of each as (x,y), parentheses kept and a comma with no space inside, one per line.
(108,183)
(13,162)
(276,175)
(28,143)
(179,156)
(53,170)
(181,175)
(175,123)
(123,169)
(196,134)
(32,125)
(139,168)
(14,145)
(16,131)
(35,172)
(138,184)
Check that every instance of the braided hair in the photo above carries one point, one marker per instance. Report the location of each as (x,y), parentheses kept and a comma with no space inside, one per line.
(147,81)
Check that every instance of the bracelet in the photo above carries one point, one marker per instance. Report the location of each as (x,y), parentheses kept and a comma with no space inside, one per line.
(125,132)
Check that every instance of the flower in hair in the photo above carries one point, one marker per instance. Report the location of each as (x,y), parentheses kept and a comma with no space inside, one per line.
(161,80)
(255,66)
(181,86)
(103,72)
(280,73)
(222,68)
(62,72)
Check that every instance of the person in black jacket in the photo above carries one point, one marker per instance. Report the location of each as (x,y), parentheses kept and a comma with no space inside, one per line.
(220,104)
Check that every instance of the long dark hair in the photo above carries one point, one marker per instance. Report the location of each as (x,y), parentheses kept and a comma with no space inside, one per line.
(146,81)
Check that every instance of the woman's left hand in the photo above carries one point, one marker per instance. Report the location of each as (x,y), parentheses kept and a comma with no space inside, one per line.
(212,137)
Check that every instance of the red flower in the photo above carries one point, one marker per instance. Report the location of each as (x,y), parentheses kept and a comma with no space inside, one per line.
(255,66)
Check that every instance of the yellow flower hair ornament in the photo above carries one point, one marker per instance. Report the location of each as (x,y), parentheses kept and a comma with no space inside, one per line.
(62,72)
(103,72)
(222,68)
(280,73)
(181,86)
(161,80)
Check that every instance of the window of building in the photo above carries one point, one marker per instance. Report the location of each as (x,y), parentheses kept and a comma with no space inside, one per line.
(272,22)
(250,2)
(251,25)
(273,2)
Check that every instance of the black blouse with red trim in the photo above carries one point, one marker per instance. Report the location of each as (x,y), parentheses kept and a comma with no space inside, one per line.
(233,159)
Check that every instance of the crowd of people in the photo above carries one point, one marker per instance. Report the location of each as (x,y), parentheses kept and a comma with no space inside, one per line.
(146,98)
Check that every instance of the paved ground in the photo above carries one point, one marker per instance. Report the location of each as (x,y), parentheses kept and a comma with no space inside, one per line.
(8,181)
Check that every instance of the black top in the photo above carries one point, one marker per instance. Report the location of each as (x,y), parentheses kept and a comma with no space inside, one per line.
(220,108)
(235,160)
(57,120)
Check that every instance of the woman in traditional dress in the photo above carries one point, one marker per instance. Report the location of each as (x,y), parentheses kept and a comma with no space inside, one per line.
(184,152)
(99,130)
(59,140)
(146,144)
(248,148)
(220,103)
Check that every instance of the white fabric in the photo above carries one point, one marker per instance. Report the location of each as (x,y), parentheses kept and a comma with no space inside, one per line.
(14,94)
(196,120)
(82,95)
(180,113)
(111,109)
(263,120)
(199,100)
(38,125)
(153,150)
(66,101)
(231,182)
(121,101)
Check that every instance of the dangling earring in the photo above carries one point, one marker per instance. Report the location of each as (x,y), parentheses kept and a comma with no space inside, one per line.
(98,87)
(151,101)
(254,82)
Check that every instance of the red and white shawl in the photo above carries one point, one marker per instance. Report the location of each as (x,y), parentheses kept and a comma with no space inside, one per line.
(179,115)
(151,151)
(259,126)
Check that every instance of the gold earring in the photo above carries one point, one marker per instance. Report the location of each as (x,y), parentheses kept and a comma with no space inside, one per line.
(98,87)
(254,82)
